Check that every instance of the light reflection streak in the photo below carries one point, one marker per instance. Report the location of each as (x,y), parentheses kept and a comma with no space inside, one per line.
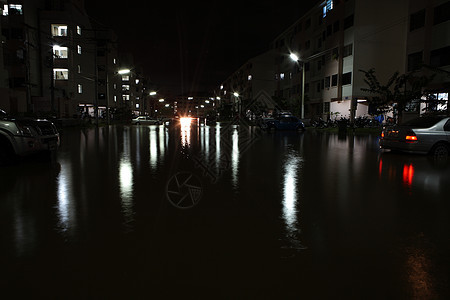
(162,135)
(218,147)
(408,174)
(65,206)
(153,150)
(235,159)
(290,199)
(126,181)
(185,131)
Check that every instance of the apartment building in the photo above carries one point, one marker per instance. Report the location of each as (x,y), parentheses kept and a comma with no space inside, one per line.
(59,62)
(428,44)
(252,84)
(334,41)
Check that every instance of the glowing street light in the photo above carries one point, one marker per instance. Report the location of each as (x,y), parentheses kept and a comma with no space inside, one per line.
(152,93)
(124,71)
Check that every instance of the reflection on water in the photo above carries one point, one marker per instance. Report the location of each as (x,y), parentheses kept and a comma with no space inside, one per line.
(235,159)
(185,125)
(66,211)
(408,174)
(290,198)
(153,149)
(126,181)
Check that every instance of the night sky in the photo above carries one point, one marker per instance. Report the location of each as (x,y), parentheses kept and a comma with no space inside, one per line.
(193,46)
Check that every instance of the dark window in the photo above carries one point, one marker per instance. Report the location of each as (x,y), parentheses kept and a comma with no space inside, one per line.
(336,26)
(348,22)
(308,23)
(318,87)
(327,81)
(329,30)
(307,44)
(347,78)
(334,80)
(417,20)
(307,66)
(442,13)
(348,50)
(440,57)
(414,61)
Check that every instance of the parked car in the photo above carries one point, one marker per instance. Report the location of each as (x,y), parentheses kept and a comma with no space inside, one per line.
(283,122)
(21,137)
(427,134)
(145,120)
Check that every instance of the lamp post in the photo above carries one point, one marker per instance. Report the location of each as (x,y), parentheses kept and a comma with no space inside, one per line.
(295,58)
(238,102)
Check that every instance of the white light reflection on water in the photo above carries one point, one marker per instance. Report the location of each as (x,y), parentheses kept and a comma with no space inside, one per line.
(126,182)
(235,159)
(290,200)
(218,147)
(153,150)
(65,206)
(185,131)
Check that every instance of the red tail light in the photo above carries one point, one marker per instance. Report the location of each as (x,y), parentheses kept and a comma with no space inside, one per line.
(411,136)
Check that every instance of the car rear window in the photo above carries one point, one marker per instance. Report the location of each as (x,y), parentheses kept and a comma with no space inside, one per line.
(423,122)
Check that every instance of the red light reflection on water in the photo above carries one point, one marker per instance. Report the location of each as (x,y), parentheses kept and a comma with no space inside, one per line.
(408,174)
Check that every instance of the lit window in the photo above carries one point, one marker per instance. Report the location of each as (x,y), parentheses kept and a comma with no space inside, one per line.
(78,30)
(79,49)
(281,76)
(126,97)
(137,105)
(125,78)
(115,98)
(125,87)
(137,81)
(12,9)
(61,74)
(79,69)
(59,52)
(327,7)
(59,30)
(80,89)
(249,77)
(114,61)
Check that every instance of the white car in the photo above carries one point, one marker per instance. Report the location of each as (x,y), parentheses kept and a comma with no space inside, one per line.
(145,120)
(427,134)
(21,137)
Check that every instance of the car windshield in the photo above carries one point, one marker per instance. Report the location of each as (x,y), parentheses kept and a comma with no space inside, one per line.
(423,122)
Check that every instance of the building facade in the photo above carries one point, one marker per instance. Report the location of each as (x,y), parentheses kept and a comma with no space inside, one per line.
(58,62)
(338,39)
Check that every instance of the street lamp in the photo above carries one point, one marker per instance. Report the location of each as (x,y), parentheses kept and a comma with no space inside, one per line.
(295,58)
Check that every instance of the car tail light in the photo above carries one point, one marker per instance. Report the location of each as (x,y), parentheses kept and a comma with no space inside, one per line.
(411,136)
(382,134)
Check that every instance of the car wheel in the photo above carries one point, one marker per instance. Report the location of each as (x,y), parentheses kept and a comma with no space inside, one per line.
(440,150)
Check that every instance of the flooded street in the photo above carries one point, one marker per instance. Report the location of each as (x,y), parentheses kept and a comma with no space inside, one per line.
(224,212)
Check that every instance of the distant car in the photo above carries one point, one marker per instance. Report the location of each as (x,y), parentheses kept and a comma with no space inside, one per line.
(427,135)
(145,120)
(283,122)
(25,136)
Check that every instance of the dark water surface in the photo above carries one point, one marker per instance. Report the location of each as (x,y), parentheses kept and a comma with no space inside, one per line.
(224,212)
